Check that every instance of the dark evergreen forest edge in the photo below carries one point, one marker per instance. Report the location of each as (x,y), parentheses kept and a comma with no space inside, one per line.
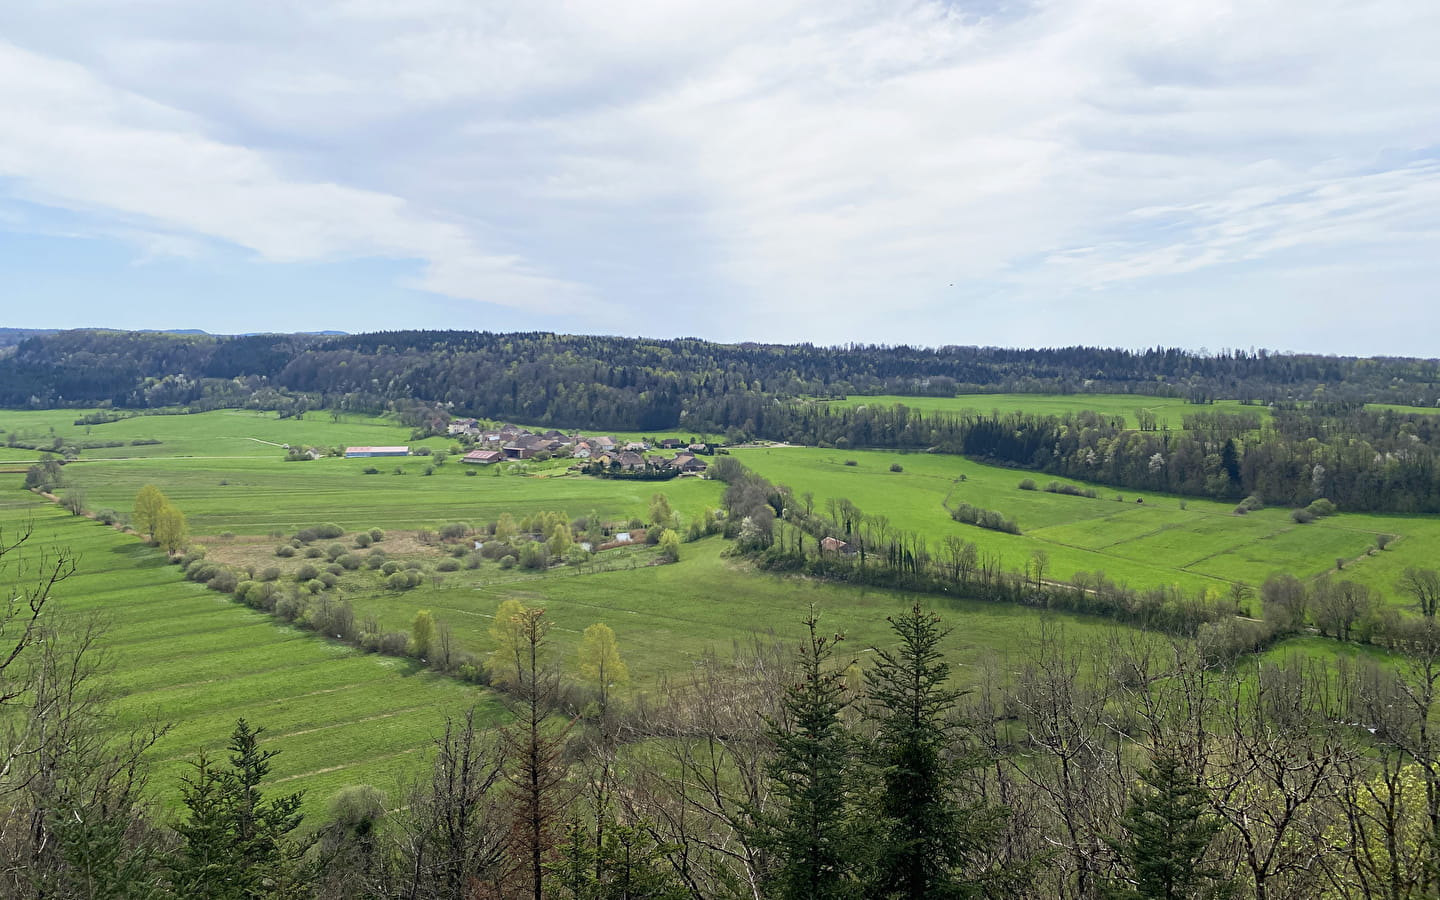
(1320,441)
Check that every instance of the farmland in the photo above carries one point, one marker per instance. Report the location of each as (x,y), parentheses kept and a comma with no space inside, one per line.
(197,660)
(667,616)
(1168,411)
(1203,544)
(225,470)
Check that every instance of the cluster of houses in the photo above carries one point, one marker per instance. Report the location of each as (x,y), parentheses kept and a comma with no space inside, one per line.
(509,442)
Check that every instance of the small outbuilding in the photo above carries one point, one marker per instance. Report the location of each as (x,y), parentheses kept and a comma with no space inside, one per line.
(365,452)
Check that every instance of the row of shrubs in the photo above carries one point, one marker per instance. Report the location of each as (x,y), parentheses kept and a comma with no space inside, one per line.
(983,518)
(1318,509)
(1058,487)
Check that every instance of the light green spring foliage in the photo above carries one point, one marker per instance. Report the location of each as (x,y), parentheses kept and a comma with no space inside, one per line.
(662,515)
(559,539)
(669,544)
(148,503)
(422,633)
(505,528)
(170,529)
(600,660)
(506,635)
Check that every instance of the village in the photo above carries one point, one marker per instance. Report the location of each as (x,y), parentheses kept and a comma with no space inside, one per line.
(599,454)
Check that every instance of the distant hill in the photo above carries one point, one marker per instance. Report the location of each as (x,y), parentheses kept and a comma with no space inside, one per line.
(9,337)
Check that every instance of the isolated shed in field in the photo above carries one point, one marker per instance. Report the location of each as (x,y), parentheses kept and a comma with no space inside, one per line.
(363,452)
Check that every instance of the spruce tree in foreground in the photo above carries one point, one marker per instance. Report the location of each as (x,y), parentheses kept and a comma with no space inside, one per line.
(811,833)
(1168,830)
(236,842)
(926,832)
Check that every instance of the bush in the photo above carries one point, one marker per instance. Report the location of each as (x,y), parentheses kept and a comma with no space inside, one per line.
(1302,516)
(225,582)
(1322,507)
(852,462)
(335,569)
(270,573)
(534,555)
(454,530)
(329,579)
(306,535)
(377,535)
(201,571)
(473,560)
(349,561)
(1253,503)
(107,517)
(507,562)
(375,560)
(313,553)
(306,572)
(471,472)
(227,535)
(983,518)
(363,540)
(448,565)
(371,470)
(1027,484)
(390,567)
(285,550)
(896,467)
(393,643)
(397,581)
(288,608)
(314,585)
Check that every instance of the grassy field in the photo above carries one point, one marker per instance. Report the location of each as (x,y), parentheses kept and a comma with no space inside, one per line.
(664,616)
(197,660)
(1168,410)
(1203,544)
(225,434)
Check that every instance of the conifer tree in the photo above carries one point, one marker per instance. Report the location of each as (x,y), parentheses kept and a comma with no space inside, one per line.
(812,833)
(237,843)
(926,833)
(1167,832)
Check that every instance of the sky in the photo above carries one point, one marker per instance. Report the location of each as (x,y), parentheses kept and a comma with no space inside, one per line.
(1205,174)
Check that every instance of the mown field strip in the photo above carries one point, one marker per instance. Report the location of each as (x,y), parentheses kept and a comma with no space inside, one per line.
(192,658)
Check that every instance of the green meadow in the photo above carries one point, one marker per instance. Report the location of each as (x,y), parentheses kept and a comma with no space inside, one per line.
(196,660)
(667,616)
(1169,411)
(1142,539)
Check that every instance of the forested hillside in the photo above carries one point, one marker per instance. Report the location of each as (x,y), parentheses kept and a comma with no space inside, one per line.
(643,383)
(1319,439)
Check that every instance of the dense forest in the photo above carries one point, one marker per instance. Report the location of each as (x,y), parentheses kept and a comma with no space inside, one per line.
(635,383)
(1318,442)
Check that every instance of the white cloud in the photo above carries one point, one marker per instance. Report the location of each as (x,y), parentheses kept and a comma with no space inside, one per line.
(81,145)
(817,171)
